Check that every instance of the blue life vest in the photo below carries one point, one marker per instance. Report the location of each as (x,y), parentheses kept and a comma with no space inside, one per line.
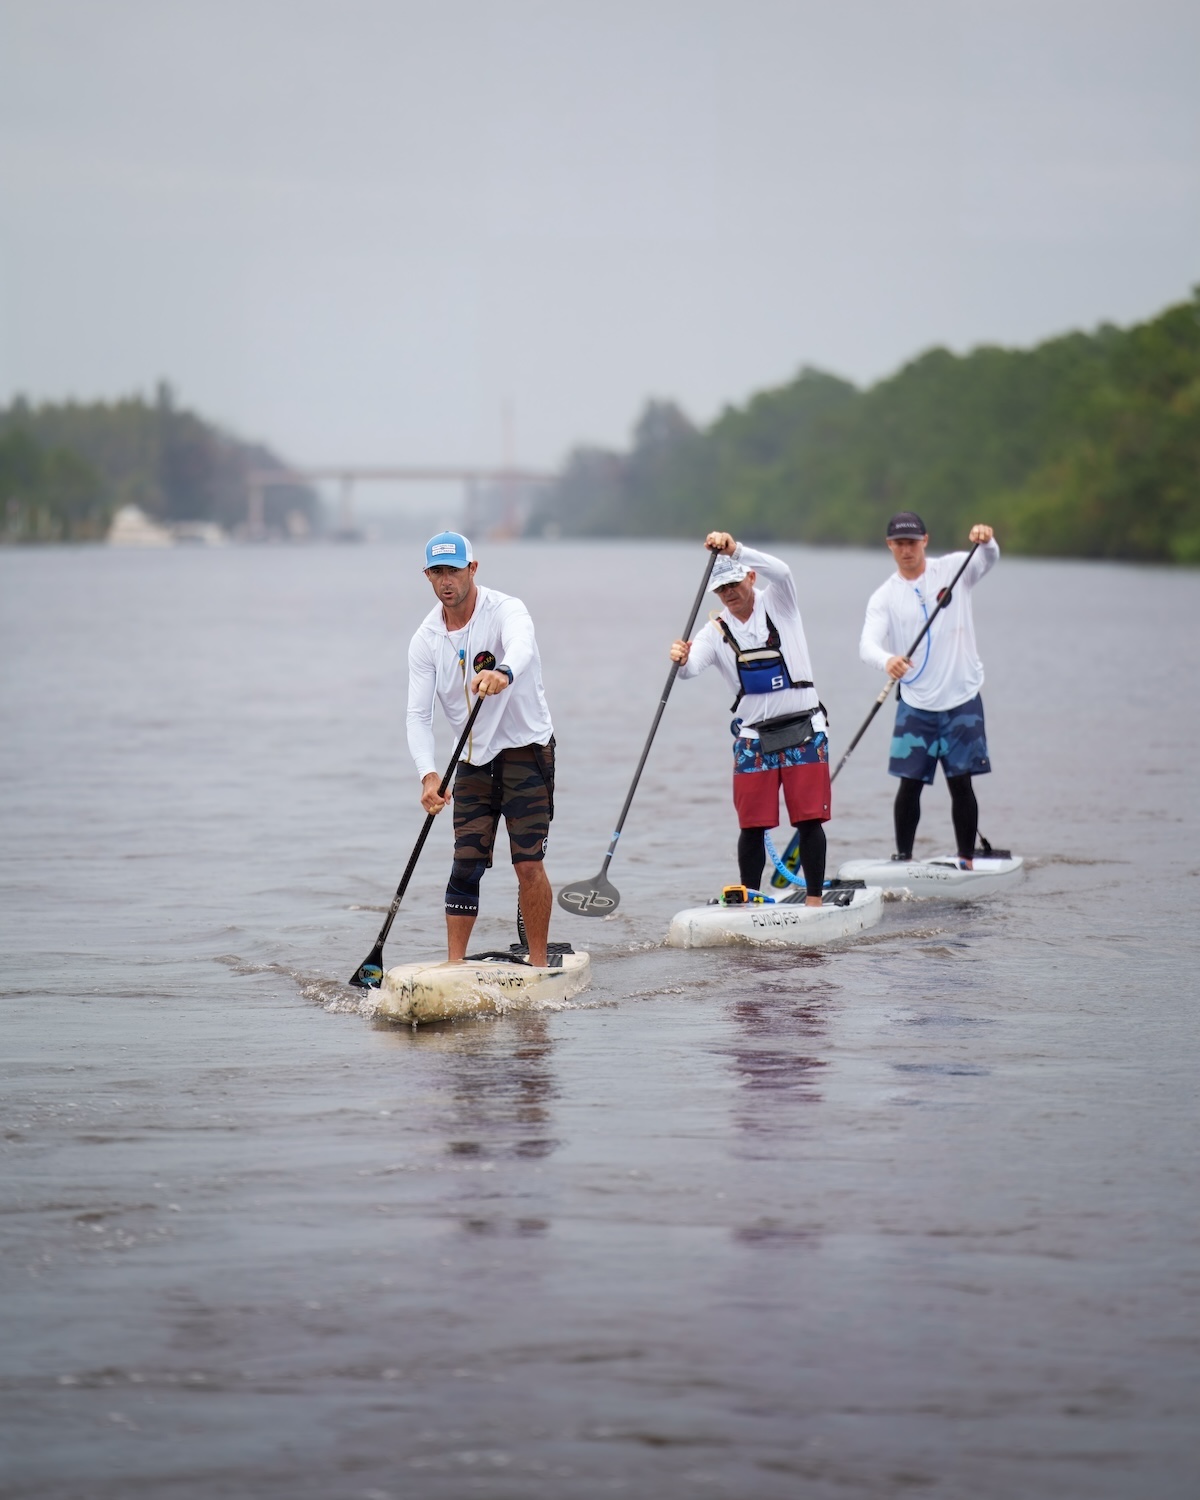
(760,669)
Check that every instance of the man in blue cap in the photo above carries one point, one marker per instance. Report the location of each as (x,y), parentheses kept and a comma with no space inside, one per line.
(477,642)
(939,715)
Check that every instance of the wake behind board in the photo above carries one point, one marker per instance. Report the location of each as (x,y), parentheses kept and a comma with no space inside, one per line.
(484,986)
(788,921)
(938,877)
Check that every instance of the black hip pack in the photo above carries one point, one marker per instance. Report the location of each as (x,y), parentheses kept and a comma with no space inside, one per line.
(786,733)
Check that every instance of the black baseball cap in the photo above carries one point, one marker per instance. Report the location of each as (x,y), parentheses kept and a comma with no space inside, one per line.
(906,523)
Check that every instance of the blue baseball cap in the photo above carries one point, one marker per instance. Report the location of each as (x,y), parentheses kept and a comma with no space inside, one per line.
(447,550)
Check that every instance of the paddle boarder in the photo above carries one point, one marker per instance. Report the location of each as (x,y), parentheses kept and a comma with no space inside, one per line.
(479,643)
(756,641)
(939,715)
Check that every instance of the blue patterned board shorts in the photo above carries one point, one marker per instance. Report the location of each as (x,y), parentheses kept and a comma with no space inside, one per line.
(748,756)
(956,737)
(802,774)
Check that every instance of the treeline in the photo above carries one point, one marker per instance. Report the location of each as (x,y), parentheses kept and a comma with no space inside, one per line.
(1085,446)
(66,468)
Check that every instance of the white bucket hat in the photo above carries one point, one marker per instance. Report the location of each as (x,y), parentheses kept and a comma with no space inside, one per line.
(727,570)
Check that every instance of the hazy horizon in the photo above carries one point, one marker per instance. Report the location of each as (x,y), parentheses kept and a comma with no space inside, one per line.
(366,232)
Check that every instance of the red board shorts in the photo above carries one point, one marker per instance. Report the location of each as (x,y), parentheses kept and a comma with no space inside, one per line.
(803,774)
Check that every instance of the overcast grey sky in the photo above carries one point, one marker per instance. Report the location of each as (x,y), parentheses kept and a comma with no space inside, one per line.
(358,228)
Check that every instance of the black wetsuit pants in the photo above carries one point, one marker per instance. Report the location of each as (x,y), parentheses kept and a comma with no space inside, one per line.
(752,855)
(964,812)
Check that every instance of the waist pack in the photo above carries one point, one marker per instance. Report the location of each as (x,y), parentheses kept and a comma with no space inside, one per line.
(760,669)
(786,733)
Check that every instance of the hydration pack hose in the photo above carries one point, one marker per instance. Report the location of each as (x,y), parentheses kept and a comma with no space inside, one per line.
(779,864)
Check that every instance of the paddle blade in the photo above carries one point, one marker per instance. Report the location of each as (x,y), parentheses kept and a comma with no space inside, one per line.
(369,974)
(596,897)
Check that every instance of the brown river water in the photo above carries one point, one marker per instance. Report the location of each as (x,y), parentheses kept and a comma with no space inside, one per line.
(916,1216)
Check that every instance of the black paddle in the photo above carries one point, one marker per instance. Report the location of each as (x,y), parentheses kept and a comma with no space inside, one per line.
(369,974)
(598,896)
(791,857)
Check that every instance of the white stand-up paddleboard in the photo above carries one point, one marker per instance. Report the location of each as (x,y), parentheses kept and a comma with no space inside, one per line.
(939,876)
(787,921)
(478,987)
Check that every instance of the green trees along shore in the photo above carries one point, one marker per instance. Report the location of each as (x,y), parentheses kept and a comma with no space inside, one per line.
(66,468)
(1086,446)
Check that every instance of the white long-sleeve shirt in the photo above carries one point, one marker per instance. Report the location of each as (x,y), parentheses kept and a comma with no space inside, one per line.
(774,594)
(946,669)
(441,666)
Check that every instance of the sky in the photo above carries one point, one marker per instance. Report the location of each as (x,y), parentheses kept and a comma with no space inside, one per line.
(376,231)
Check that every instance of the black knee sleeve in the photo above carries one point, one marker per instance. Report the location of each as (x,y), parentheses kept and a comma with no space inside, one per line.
(462,891)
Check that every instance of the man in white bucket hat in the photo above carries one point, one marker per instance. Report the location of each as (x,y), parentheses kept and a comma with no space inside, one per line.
(757,643)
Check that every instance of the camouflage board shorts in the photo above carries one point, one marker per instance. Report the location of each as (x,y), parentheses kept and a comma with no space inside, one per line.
(517,785)
(955,736)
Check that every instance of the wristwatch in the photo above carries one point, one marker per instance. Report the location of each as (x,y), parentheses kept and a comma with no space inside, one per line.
(507,672)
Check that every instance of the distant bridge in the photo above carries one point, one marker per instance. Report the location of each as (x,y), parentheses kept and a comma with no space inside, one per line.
(346,476)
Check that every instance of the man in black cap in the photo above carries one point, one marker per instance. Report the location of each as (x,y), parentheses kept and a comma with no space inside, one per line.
(939,716)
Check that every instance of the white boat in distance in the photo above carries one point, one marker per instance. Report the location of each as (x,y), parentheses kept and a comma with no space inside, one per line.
(132,527)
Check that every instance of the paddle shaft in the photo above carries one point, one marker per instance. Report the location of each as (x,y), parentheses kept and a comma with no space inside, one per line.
(666,693)
(944,597)
(424,834)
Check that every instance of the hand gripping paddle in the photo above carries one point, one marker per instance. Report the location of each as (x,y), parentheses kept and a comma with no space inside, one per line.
(369,974)
(598,896)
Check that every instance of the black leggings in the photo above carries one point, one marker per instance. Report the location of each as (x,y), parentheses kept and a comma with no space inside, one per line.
(964,812)
(752,855)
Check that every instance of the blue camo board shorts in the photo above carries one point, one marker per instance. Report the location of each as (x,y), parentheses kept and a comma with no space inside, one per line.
(955,736)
